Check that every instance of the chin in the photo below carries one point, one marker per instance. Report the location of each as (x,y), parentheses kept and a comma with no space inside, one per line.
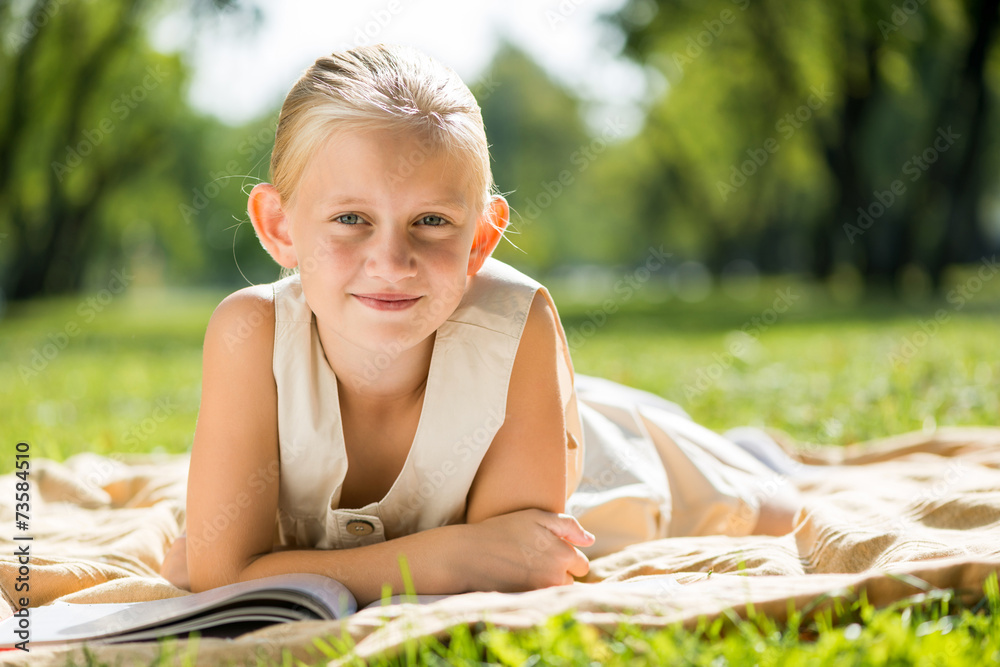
(392,341)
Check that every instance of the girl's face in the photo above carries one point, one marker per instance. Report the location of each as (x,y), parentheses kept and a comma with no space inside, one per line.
(382,227)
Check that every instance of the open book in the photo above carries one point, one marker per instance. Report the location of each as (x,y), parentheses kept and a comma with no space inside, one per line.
(226,611)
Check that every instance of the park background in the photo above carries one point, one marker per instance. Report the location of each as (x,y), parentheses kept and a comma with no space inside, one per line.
(772,212)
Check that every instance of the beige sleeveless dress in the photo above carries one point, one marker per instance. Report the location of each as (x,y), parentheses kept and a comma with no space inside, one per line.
(647,470)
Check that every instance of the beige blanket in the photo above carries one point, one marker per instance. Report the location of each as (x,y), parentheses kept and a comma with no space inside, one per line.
(923,505)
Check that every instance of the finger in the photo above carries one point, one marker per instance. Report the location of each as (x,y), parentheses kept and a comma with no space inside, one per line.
(565,527)
(579,566)
(569,529)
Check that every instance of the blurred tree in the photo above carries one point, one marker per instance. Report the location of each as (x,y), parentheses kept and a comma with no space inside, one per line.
(95,142)
(537,142)
(807,135)
(567,184)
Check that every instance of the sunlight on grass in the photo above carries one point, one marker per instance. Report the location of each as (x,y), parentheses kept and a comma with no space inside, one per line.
(821,371)
(126,379)
(932,628)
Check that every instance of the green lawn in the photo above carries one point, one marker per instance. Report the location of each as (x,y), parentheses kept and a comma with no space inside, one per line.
(822,371)
(124,376)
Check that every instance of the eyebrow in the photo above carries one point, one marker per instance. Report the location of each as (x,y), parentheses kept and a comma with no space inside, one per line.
(345,201)
(449,202)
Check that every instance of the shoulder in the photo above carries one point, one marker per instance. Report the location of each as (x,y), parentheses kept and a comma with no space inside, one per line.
(498,298)
(499,272)
(508,291)
(541,319)
(541,358)
(242,323)
(251,298)
(542,325)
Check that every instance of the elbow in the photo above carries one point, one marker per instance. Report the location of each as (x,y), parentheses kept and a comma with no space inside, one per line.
(208,577)
(555,505)
(206,573)
(211,577)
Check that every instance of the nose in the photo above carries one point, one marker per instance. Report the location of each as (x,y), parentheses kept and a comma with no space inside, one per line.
(391,258)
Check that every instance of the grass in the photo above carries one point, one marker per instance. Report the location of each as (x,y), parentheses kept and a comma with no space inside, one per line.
(823,371)
(932,628)
(124,376)
(926,629)
(124,380)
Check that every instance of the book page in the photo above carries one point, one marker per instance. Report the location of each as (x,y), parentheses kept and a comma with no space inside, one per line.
(290,596)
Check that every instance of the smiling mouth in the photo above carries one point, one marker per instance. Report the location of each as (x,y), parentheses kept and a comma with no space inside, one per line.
(387,301)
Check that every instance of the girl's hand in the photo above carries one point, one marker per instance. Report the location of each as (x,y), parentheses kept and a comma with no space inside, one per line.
(523,550)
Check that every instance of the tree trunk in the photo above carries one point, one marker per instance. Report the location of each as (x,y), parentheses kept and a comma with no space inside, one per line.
(957,174)
(56,264)
(841,237)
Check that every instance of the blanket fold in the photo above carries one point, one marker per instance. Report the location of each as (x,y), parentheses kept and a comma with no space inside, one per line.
(879,517)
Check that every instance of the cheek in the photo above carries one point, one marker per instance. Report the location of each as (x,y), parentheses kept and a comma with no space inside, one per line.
(453,281)
(323,253)
(446,259)
(450,252)
(449,269)
(445,265)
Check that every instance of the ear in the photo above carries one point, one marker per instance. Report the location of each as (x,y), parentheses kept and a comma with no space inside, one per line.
(271,224)
(489,231)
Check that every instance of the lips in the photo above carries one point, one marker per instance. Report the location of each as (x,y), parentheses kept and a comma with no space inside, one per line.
(388,301)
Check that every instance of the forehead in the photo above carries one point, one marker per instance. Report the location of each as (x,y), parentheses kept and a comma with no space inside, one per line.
(378,163)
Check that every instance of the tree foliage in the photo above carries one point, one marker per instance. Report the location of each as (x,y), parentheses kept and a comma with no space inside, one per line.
(803,136)
(807,135)
(99,151)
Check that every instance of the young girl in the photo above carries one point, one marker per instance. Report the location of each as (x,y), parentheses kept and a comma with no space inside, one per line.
(404,394)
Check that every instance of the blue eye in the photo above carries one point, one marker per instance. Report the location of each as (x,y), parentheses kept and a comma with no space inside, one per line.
(433,221)
(349,219)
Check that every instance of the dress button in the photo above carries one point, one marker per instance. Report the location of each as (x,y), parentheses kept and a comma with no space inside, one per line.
(360,527)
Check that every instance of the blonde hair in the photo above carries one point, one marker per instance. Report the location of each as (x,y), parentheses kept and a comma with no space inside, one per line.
(380,87)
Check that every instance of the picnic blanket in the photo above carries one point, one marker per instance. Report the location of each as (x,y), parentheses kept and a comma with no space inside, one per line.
(884,518)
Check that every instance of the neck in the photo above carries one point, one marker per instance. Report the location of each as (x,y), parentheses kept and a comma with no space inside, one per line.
(370,377)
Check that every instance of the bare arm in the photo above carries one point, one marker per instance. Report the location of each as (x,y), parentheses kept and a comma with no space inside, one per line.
(526,464)
(233,481)
(233,493)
